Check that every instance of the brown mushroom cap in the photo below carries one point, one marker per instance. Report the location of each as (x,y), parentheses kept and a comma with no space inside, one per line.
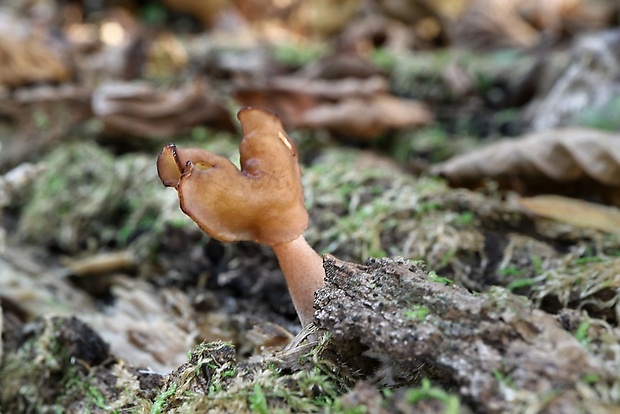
(262,202)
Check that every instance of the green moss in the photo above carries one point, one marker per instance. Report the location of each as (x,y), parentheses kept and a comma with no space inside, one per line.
(582,333)
(297,55)
(426,390)
(510,270)
(417,312)
(384,58)
(521,283)
(40,376)
(503,379)
(434,277)
(421,74)
(353,208)
(433,143)
(579,280)
(162,399)
(213,381)
(465,219)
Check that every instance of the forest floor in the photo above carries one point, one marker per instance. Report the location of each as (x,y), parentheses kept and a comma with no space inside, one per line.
(464,200)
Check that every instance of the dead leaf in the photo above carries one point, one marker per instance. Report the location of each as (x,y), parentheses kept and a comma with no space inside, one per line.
(346,62)
(576,212)
(303,93)
(569,156)
(356,108)
(367,118)
(138,109)
(333,89)
(28,55)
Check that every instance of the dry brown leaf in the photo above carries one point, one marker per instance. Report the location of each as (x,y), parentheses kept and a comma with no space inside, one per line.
(356,108)
(138,109)
(557,156)
(345,62)
(290,96)
(343,88)
(367,118)
(27,55)
(576,212)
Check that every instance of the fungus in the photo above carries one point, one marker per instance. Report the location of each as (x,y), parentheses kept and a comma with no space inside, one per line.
(262,202)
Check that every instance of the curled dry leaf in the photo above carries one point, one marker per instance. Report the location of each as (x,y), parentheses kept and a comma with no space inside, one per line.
(575,212)
(359,108)
(138,109)
(28,56)
(291,96)
(332,89)
(571,156)
(366,119)
(344,62)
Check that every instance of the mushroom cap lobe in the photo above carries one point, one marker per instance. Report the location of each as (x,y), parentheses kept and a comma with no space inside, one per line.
(262,202)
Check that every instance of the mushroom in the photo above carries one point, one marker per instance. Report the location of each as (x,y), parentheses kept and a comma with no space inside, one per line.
(262,202)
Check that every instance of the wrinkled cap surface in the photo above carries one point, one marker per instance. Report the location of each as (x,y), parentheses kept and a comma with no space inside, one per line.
(262,202)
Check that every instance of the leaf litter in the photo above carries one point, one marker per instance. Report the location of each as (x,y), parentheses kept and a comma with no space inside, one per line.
(540,279)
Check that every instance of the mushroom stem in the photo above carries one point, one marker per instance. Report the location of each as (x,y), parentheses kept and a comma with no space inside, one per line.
(304,274)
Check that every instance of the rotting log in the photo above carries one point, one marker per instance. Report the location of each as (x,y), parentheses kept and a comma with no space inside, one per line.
(391,320)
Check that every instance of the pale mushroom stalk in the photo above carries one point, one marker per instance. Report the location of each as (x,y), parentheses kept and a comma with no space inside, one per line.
(262,202)
(304,274)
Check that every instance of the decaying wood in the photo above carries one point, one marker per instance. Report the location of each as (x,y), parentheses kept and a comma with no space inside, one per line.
(390,317)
